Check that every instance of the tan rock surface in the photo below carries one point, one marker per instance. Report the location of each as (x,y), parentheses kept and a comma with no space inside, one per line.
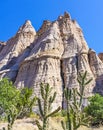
(97,68)
(14,47)
(43,64)
(101,56)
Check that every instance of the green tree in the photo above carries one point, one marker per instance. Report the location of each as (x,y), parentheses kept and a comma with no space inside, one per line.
(26,102)
(95,109)
(45,104)
(14,102)
(74,111)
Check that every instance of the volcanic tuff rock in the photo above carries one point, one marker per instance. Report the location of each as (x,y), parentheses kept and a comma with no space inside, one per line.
(55,55)
(12,52)
(101,56)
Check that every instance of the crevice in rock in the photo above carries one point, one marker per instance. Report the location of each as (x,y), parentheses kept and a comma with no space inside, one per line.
(63,82)
(14,78)
(89,55)
(12,62)
(76,62)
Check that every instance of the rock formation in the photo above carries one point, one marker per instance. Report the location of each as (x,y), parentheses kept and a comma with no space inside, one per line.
(11,53)
(101,56)
(55,55)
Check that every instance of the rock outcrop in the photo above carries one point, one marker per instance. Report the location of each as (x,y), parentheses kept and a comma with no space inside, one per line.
(12,51)
(101,56)
(54,55)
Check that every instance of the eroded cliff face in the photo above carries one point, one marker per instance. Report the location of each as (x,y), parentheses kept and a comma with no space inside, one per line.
(54,55)
(11,52)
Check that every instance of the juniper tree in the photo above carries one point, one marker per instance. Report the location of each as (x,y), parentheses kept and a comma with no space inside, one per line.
(95,110)
(14,102)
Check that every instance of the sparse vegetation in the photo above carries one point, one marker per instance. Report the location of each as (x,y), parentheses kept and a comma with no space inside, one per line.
(95,109)
(45,106)
(18,103)
(14,103)
(74,111)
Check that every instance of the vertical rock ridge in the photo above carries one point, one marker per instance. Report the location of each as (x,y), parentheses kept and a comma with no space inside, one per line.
(97,69)
(75,55)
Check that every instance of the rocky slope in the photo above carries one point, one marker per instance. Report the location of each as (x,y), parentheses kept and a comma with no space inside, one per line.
(55,55)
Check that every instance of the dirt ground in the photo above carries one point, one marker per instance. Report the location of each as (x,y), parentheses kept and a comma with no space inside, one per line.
(29,124)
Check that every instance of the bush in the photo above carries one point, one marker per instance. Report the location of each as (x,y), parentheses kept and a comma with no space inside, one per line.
(95,109)
(26,102)
(15,103)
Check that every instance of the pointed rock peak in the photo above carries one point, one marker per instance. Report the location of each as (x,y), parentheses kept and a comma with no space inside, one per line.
(46,22)
(67,15)
(27,22)
(27,27)
(44,27)
(91,50)
(60,17)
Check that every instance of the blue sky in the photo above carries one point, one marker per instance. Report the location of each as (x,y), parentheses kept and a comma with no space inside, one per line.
(88,13)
